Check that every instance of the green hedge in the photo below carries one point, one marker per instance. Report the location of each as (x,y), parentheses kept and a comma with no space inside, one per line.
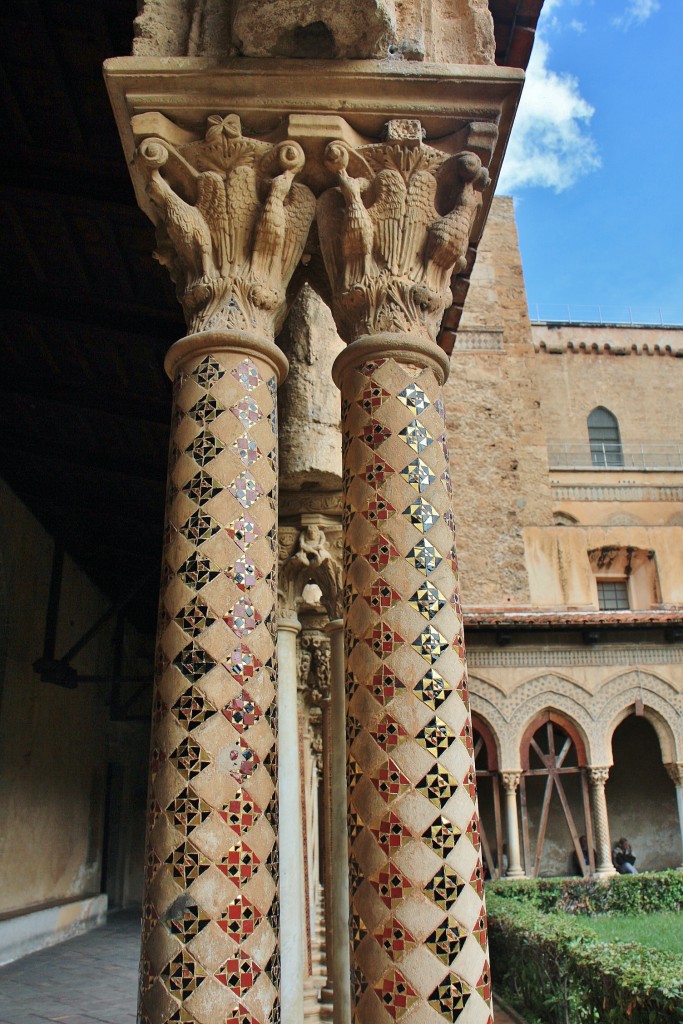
(622,894)
(556,971)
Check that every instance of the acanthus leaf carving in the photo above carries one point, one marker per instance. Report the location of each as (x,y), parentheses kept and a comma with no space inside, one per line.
(511,780)
(232,224)
(395,229)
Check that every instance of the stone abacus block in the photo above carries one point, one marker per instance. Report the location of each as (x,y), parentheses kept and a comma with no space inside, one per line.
(417,910)
(210,942)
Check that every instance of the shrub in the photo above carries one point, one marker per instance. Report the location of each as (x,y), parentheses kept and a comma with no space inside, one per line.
(622,894)
(555,970)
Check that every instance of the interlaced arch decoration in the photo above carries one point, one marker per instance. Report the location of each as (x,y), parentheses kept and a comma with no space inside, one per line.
(661,703)
(553,749)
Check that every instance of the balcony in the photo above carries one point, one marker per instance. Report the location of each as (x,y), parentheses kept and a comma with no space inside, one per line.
(601,455)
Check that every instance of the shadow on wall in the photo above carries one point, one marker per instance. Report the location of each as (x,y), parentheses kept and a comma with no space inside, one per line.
(641,798)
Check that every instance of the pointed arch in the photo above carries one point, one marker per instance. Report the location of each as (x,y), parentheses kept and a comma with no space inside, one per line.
(604,438)
(489,740)
(570,727)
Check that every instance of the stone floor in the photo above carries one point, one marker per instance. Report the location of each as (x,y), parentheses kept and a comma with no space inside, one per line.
(91,979)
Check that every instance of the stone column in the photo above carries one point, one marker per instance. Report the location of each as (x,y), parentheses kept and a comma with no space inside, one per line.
(339,875)
(390,244)
(675,770)
(231,225)
(597,778)
(292,897)
(511,782)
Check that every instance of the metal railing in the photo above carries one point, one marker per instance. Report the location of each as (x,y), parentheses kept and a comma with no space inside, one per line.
(597,455)
(655,316)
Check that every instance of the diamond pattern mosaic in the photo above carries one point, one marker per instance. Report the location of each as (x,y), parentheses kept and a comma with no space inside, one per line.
(418,859)
(210,952)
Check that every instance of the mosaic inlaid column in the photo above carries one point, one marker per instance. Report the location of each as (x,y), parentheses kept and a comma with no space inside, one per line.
(231,225)
(597,778)
(392,233)
(511,782)
(675,770)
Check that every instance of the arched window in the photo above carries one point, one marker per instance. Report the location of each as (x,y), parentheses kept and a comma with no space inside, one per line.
(554,798)
(604,439)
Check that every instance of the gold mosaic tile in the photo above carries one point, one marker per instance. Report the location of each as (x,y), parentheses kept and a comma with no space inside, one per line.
(214,705)
(399,563)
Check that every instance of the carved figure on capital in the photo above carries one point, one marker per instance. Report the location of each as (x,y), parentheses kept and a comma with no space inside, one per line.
(311,556)
(231,223)
(395,229)
(675,772)
(598,775)
(313,550)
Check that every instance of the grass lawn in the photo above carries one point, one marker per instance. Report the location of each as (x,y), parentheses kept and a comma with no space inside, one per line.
(661,931)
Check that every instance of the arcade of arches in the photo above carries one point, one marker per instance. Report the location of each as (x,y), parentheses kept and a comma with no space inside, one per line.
(535,815)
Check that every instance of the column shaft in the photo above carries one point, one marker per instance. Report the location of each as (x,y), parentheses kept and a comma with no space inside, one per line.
(210,934)
(338,905)
(675,770)
(292,897)
(597,778)
(416,876)
(511,785)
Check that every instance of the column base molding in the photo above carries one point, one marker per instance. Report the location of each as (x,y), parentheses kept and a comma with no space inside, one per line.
(236,342)
(602,874)
(404,348)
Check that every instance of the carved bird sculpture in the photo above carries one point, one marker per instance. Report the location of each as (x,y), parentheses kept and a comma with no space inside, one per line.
(387,212)
(187,230)
(243,209)
(357,231)
(448,237)
(269,238)
(420,214)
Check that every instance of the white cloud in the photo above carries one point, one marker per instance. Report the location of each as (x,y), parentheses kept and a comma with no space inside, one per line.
(550,145)
(637,11)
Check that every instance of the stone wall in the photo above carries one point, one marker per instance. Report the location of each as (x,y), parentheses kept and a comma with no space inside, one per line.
(498,455)
(53,754)
(560,573)
(449,31)
(644,391)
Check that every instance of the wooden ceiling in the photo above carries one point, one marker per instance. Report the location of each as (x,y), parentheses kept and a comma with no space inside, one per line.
(87,314)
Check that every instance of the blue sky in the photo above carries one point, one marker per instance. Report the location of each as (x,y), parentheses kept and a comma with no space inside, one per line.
(595,162)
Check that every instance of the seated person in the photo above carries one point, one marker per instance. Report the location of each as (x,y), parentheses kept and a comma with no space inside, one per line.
(623,858)
(578,867)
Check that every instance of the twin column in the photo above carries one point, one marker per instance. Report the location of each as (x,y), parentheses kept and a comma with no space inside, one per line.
(232,223)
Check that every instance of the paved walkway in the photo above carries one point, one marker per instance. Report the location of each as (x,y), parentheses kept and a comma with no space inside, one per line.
(91,979)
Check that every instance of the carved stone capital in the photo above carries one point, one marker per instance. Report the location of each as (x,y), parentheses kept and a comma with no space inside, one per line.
(231,222)
(598,775)
(675,770)
(510,781)
(395,229)
(315,666)
(311,554)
